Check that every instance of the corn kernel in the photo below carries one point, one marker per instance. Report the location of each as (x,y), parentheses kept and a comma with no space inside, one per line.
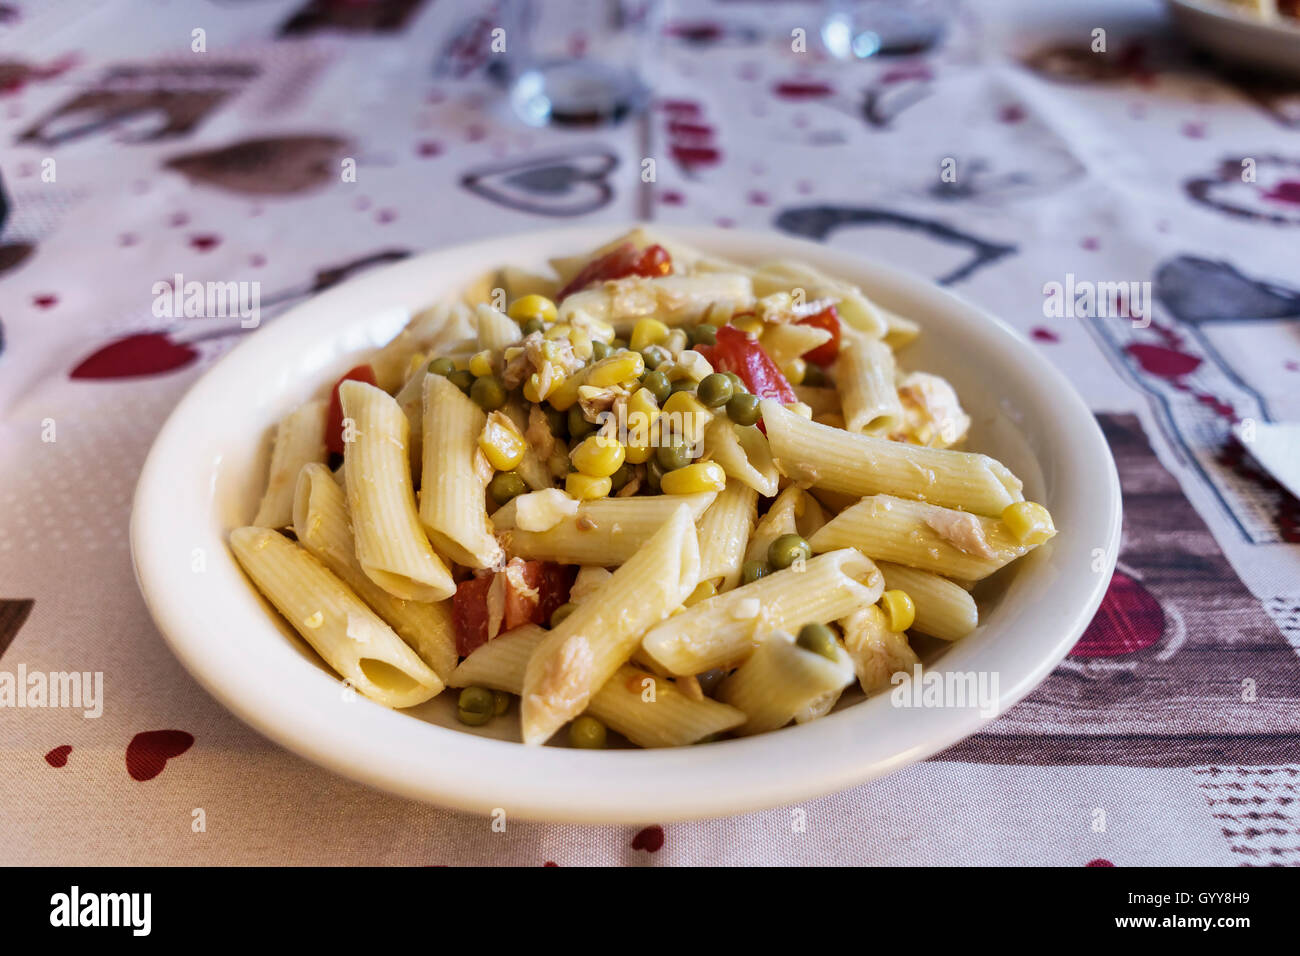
(614,369)
(900,611)
(701,476)
(598,456)
(676,341)
(689,417)
(1029,521)
(703,591)
(794,371)
(560,330)
(585,487)
(581,343)
(642,403)
(532,307)
(481,364)
(501,443)
(647,332)
(750,324)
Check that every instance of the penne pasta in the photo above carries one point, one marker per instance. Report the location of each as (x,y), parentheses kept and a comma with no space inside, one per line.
(925,536)
(672,299)
(943,609)
(865,376)
(721,630)
(391,547)
(781,680)
(598,637)
(787,341)
(605,532)
(349,636)
(724,532)
(898,330)
(322,526)
(299,440)
(853,307)
(779,520)
(496,330)
(649,711)
(453,509)
(866,465)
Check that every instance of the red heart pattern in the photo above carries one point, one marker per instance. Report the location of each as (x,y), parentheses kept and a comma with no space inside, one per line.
(147,753)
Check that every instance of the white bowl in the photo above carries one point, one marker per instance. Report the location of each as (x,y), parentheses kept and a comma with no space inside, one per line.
(205,473)
(1238,35)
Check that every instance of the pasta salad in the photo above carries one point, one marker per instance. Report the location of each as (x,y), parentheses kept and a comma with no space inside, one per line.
(654,493)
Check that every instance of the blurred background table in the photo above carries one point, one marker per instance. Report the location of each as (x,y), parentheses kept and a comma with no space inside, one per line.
(1170,733)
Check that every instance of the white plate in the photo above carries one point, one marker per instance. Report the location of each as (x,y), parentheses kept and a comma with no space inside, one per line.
(1238,35)
(207,467)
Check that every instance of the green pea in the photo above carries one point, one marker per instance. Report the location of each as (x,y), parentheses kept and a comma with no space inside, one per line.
(658,384)
(599,350)
(620,477)
(475,706)
(463,380)
(587,733)
(561,612)
(786,550)
(500,702)
(751,571)
(442,366)
(506,485)
(579,427)
(618,344)
(672,457)
(743,409)
(815,376)
(654,473)
(488,393)
(533,325)
(683,385)
(714,390)
(819,639)
(655,355)
(703,334)
(557,421)
(737,383)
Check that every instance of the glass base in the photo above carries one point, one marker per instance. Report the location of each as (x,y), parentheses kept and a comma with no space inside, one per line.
(577,93)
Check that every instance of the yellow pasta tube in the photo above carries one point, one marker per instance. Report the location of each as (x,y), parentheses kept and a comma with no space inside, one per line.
(724,532)
(953,543)
(391,546)
(722,630)
(589,645)
(866,465)
(299,440)
(782,680)
(453,507)
(344,632)
(865,376)
(604,532)
(649,711)
(743,454)
(496,330)
(322,526)
(943,609)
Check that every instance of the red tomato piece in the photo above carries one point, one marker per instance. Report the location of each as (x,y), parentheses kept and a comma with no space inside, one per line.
(533,590)
(827,352)
(334,418)
(737,352)
(626,260)
(469,614)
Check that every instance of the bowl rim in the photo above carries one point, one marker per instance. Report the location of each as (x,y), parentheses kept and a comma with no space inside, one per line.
(480,775)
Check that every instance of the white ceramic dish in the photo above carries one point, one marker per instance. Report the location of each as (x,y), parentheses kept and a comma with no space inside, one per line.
(205,473)
(1240,36)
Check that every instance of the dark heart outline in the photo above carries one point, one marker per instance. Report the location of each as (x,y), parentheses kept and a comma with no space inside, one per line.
(1199,190)
(819,222)
(473,178)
